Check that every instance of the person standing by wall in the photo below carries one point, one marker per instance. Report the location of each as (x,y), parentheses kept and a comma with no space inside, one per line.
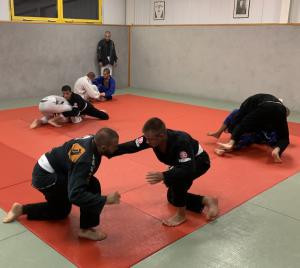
(106,53)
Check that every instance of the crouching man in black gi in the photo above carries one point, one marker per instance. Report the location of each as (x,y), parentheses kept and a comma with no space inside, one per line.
(65,176)
(187,161)
(80,106)
(261,113)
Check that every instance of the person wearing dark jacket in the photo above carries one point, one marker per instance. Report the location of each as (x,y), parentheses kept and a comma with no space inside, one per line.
(65,176)
(261,112)
(106,53)
(187,161)
(80,106)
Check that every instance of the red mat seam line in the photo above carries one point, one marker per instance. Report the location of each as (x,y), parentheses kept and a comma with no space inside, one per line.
(143,212)
(14,149)
(12,185)
(135,188)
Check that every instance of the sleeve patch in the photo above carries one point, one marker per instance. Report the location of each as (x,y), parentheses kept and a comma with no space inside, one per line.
(139,141)
(76,152)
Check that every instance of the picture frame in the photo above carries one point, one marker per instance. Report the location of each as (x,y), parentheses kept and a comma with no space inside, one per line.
(159,11)
(241,9)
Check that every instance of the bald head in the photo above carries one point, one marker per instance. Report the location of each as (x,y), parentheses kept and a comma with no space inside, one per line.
(106,140)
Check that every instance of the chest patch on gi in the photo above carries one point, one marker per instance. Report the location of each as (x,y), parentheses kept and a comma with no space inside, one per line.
(183,155)
(75,152)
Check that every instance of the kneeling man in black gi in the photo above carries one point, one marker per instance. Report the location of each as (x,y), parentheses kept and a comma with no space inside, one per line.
(65,176)
(187,161)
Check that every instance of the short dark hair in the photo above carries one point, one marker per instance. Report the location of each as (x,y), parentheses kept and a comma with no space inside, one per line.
(66,88)
(154,124)
(106,70)
(91,75)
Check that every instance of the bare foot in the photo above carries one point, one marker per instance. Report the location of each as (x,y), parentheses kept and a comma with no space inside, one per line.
(36,123)
(53,123)
(113,198)
(220,152)
(92,234)
(225,146)
(15,212)
(214,134)
(211,204)
(174,221)
(177,219)
(276,156)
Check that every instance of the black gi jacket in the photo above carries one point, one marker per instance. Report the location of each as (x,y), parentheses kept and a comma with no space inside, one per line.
(76,161)
(106,49)
(262,112)
(181,155)
(78,105)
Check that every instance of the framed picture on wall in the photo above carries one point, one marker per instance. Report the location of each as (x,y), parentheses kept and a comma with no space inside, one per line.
(159,10)
(241,9)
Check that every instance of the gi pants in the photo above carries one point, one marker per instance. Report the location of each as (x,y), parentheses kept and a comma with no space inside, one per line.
(54,187)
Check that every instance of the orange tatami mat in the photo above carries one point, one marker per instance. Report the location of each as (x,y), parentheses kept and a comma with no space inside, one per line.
(134,227)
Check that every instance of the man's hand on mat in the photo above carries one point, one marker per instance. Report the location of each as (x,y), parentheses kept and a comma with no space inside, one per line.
(113,198)
(276,156)
(154,177)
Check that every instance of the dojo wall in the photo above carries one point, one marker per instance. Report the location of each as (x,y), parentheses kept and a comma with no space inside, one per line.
(212,12)
(220,62)
(37,59)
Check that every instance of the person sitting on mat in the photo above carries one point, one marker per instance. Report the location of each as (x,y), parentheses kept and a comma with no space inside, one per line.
(80,106)
(259,137)
(51,108)
(260,113)
(65,176)
(187,161)
(85,88)
(106,85)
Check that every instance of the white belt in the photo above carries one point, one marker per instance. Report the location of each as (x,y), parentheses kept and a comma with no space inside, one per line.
(44,163)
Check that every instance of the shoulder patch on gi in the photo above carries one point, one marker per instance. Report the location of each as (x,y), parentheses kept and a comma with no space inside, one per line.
(75,152)
(139,141)
(183,157)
